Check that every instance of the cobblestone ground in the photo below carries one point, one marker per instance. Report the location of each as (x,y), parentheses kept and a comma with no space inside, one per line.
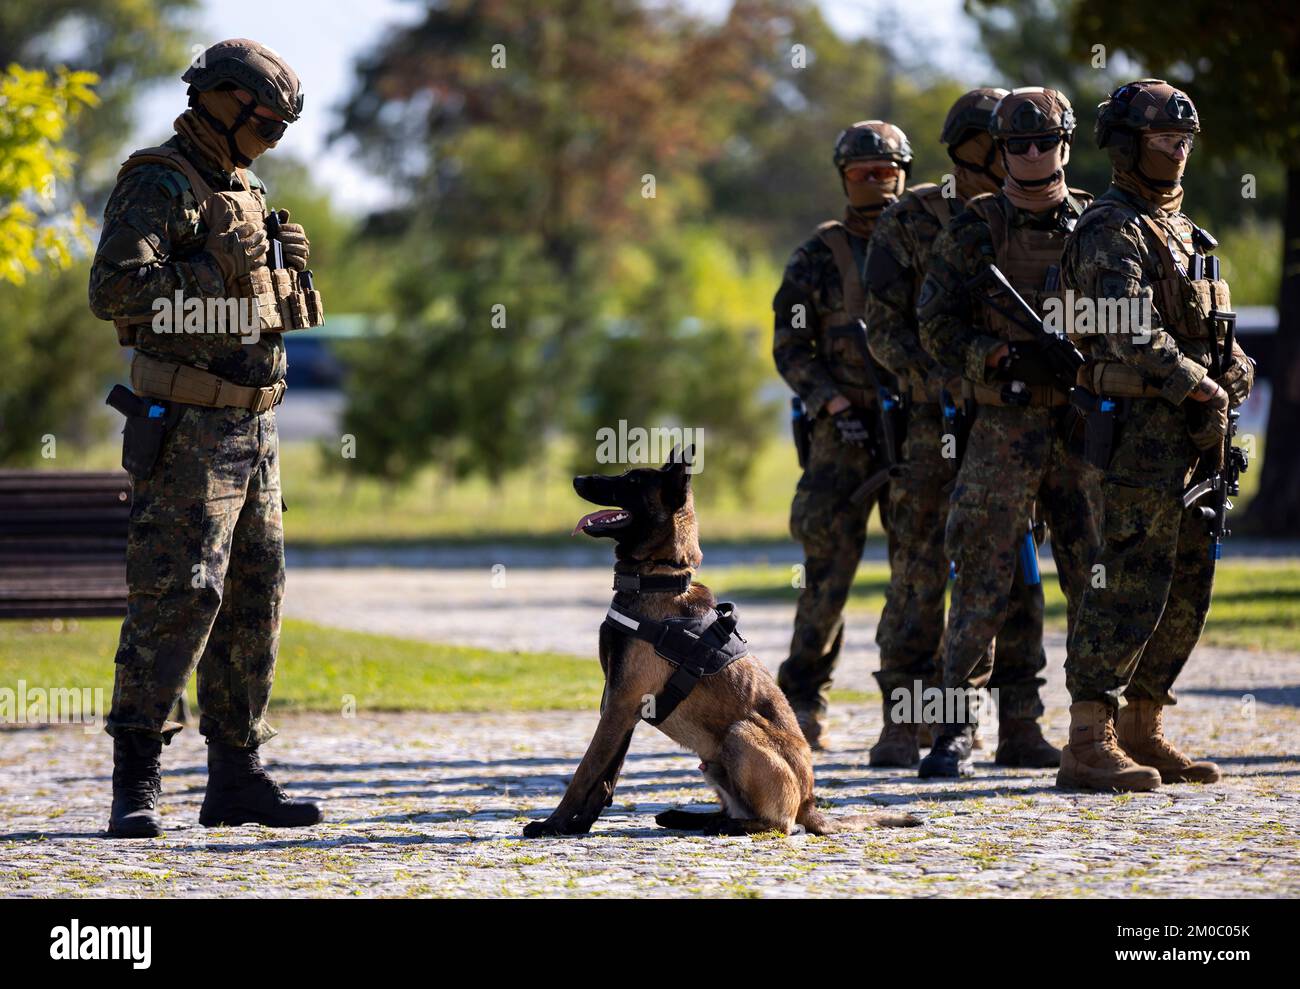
(433,805)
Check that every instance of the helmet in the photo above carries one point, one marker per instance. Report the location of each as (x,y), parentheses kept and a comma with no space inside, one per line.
(1147,104)
(970,114)
(1032,110)
(872,139)
(245,64)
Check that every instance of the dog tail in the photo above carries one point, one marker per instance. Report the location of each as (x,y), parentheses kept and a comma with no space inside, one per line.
(815,822)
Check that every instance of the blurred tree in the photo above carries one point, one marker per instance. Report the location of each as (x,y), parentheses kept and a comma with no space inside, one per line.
(35,111)
(532,138)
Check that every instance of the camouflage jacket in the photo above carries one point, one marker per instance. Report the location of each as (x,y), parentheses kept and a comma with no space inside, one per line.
(152,246)
(810,292)
(1112,255)
(952,322)
(897,258)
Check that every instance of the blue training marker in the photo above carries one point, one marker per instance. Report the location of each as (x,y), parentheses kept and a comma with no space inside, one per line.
(157,411)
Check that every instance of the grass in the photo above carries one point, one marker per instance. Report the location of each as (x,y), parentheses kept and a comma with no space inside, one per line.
(326,669)
(1256,605)
(536,505)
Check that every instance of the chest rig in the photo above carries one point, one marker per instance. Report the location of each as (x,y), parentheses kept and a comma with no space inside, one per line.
(285,299)
(843,328)
(696,647)
(1188,292)
(1030,257)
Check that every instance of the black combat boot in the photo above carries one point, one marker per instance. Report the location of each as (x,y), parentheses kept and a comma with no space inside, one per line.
(951,754)
(137,785)
(241,792)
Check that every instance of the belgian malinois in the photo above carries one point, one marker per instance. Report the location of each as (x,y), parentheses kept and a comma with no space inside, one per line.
(737,720)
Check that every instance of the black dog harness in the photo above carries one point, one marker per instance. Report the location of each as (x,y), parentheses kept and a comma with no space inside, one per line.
(697,647)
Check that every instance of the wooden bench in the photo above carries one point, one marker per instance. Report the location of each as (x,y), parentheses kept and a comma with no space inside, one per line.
(63,543)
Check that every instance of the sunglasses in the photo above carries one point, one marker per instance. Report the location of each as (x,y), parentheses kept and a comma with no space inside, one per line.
(268,129)
(1021,145)
(883,171)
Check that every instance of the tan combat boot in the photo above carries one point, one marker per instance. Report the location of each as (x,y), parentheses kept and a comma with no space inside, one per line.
(897,746)
(812,722)
(1093,759)
(1140,729)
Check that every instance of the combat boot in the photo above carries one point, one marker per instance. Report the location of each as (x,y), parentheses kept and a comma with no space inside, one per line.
(1093,760)
(897,746)
(137,785)
(1021,744)
(240,791)
(812,722)
(950,757)
(1140,730)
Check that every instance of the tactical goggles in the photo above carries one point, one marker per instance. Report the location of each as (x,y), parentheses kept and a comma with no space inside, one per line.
(1170,141)
(1021,145)
(268,129)
(872,171)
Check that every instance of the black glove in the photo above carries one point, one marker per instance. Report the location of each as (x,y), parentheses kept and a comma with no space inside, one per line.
(853,430)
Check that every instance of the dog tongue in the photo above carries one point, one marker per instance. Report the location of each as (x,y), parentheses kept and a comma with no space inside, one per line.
(604,515)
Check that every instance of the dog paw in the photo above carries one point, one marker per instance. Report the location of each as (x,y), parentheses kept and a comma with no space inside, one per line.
(542,829)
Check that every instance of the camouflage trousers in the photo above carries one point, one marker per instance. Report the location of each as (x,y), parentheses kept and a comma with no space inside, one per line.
(205,578)
(833,532)
(1014,460)
(911,625)
(1136,630)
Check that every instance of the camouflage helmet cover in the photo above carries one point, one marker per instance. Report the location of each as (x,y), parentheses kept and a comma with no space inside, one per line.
(1147,104)
(251,66)
(1032,110)
(869,139)
(970,114)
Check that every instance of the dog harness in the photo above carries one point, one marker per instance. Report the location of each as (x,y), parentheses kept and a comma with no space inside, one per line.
(697,647)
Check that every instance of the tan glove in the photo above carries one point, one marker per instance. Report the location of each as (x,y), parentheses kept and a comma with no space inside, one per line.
(294,242)
(237,251)
(1209,423)
(1239,378)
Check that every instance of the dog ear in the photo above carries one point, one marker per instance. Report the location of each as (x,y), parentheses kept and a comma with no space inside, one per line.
(679,478)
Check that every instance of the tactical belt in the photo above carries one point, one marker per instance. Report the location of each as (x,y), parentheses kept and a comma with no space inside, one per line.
(697,647)
(1118,380)
(194,386)
(1036,396)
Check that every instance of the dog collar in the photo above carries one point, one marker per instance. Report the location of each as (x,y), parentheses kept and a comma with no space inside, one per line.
(651,583)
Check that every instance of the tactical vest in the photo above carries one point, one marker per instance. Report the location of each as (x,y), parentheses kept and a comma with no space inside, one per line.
(283,301)
(1184,304)
(1028,256)
(842,328)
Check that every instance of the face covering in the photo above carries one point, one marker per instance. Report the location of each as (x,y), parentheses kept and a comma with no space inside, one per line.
(1157,178)
(227,130)
(868,199)
(1036,184)
(979,169)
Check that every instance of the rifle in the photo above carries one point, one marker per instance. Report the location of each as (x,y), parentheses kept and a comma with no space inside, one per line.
(1233,462)
(273,233)
(1061,357)
(892,422)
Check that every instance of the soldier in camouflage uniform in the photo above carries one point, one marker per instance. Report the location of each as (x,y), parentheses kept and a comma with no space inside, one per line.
(820,351)
(911,625)
(1017,453)
(1135,631)
(205,552)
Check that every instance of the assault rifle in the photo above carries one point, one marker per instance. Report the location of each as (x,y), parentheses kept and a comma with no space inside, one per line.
(1060,360)
(1224,483)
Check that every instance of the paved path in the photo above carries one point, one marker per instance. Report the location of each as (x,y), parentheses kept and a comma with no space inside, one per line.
(423,805)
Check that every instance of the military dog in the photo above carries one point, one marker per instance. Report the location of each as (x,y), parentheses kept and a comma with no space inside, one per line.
(737,720)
